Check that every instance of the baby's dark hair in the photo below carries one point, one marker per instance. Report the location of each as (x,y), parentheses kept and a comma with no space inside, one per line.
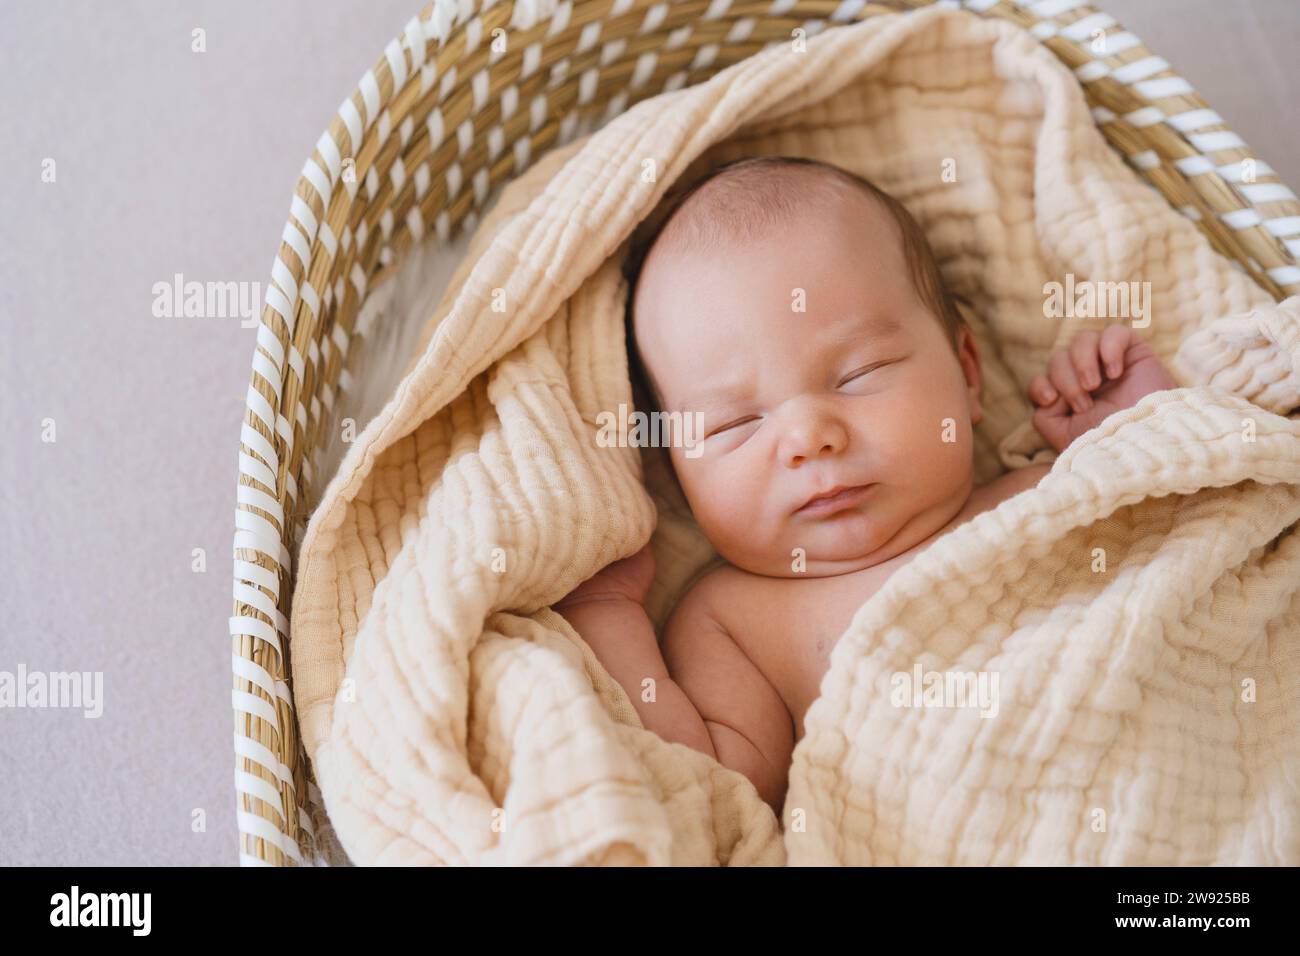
(752,193)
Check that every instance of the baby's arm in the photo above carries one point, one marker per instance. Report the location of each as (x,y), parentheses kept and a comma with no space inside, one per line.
(623,639)
(714,700)
(747,721)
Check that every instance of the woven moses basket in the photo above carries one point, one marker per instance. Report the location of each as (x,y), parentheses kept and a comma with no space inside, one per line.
(443,119)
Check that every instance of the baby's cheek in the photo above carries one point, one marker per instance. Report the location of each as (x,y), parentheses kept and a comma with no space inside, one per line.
(930,438)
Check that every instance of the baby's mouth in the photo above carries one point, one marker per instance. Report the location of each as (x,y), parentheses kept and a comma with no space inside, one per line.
(839,501)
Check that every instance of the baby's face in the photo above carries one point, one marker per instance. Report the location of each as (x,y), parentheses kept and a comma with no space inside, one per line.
(860,388)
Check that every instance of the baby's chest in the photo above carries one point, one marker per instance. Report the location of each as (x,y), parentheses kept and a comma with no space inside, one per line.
(790,631)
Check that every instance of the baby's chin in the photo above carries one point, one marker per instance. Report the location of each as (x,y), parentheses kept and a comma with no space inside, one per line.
(854,539)
(850,540)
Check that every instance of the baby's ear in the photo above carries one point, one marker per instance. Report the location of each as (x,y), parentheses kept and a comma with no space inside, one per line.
(968,354)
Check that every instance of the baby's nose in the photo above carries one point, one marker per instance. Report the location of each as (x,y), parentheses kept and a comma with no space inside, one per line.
(810,433)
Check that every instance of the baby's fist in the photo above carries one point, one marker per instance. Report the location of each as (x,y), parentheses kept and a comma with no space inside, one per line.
(1099,374)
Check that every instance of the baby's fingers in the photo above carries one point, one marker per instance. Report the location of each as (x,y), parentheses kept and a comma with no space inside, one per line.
(1041,391)
(1083,354)
(1060,370)
(1114,341)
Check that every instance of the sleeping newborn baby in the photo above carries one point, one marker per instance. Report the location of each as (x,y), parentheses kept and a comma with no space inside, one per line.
(799,310)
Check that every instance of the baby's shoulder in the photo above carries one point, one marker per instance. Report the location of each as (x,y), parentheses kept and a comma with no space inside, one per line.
(717,591)
(1012,483)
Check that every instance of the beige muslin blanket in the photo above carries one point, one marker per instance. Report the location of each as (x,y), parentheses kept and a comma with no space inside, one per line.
(1141,606)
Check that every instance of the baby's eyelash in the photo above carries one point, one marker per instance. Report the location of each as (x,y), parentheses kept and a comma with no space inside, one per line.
(862,371)
(848,378)
(729,425)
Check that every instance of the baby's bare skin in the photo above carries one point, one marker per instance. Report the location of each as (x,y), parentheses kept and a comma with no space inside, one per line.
(788,626)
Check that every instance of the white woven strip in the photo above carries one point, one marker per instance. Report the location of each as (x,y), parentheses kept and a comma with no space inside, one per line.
(352,120)
(369,87)
(302,212)
(327,239)
(255,786)
(1148,66)
(413,38)
(281,304)
(358,280)
(1194,120)
(1114,44)
(247,536)
(339,337)
(329,151)
(1284,226)
(310,297)
(260,499)
(255,674)
(612,51)
(256,574)
(1241,218)
(1194,165)
(1091,71)
(1285,275)
(1146,116)
(1267,192)
(256,826)
(705,56)
(1235,172)
(269,372)
(285,432)
(1147,159)
(717,9)
(319,181)
(396,63)
(1214,142)
(979,6)
(1083,28)
(560,18)
(273,362)
(259,406)
(251,437)
(261,531)
(415,222)
(1052,8)
(295,363)
(1293,246)
(741,30)
(259,707)
(1165,86)
(277,553)
(255,469)
(244,626)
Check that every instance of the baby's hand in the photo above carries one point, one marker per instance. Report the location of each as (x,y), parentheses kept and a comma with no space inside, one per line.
(628,579)
(1099,374)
